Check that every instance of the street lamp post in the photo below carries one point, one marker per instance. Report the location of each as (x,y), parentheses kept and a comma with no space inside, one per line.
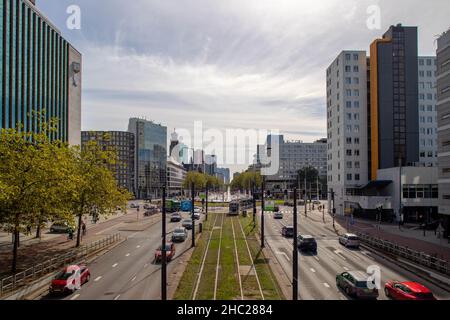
(192,213)
(206,211)
(295,253)
(163,249)
(262,211)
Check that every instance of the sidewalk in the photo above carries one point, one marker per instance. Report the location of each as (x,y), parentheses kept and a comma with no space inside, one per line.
(33,251)
(413,239)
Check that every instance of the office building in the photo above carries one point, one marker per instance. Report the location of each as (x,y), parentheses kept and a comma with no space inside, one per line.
(150,157)
(443,109)
(347,123)
(123,144)
(176,174)
(427,112)
(394,116)
(40,73)
(224,174)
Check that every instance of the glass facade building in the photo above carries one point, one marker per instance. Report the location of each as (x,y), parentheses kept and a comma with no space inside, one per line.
(150,158)
(34,69)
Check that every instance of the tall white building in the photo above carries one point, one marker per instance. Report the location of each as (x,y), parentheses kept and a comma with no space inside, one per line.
(347,118)
(428,144)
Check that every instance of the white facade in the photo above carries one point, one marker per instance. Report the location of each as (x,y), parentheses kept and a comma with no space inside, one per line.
(75,73)
(176,174)
(347,127)
(428,143)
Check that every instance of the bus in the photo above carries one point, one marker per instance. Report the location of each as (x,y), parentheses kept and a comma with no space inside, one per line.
(172,206)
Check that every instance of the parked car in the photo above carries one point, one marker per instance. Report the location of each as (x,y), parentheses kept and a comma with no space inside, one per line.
(134,206)
(187,223)
(355,284)
(179,235)
(316,202)
(170,252)
(175,217)
(197,215)
(307,243)
(278,215)
(349,240)
(66,281)
(59,227)
(287,231)
(407,291)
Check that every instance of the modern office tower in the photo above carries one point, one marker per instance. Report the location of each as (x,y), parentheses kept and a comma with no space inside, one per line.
(347,123)
(443,109)
(150,157)
(176,174)
(123,144)
(225,173)
(394,99)
(40,73)
(427,112)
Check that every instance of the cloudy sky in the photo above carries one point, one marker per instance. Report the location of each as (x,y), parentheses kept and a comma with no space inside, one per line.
(252,64)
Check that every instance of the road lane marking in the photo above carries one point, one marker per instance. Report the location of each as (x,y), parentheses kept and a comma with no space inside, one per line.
(75,296)
(326,285)
(346,269)
(97,279)
(127,255)
(138,246)
(115,265)
(117,298)
(284,255)
(317,258)
(312,270)
(134,278)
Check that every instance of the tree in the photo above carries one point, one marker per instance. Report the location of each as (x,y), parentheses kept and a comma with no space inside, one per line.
(94,188)
(246,180)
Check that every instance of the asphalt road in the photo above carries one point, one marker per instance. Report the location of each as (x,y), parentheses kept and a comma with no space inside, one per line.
(128,271)
(317,273)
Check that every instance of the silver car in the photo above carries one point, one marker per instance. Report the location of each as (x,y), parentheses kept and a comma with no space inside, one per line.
(349,240)
(179,235)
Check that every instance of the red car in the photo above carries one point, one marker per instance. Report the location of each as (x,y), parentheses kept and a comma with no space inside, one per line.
(70,279)
(170,252)
(407,291)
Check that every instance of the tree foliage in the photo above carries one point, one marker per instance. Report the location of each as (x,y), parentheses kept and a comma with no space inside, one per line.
(246,181)
(201,181)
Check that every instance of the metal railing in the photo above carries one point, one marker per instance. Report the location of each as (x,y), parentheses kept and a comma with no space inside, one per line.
(420,258)
(26,277)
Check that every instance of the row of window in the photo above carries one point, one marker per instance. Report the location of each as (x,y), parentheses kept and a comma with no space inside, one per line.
(429,74)
(429,62)
(428,96)
(420,192)
(34,69)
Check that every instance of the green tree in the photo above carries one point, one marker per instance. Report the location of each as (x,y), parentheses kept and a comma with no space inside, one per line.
(94,188)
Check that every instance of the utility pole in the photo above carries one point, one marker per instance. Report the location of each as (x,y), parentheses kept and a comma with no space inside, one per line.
(306,196)
(334,208)
(262,212)
(206,212)
(192,214)
(295,253)
(254,204)
(163,249)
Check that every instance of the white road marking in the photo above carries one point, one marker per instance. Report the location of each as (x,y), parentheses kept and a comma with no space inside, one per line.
(312,270)
(115,265)
(145,265)
(134,278)
(317,258)
(127,255)
(138,246)
(97,279)
(117,298)
(75,296)
(283,254)
(326,285)
(346,269)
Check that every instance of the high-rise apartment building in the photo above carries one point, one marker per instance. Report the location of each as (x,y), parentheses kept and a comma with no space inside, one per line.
(347,123)
(151,157)
(394,113)
(443,109)
(40,73)
(123,144)
(427,112)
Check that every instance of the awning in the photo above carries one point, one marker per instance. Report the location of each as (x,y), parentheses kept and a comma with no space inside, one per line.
(377,184)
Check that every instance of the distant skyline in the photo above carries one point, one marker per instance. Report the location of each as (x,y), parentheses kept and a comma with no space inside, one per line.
(251,64)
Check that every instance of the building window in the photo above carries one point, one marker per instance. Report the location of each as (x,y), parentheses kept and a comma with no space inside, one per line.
(349,177)
(355,69)
(357,177)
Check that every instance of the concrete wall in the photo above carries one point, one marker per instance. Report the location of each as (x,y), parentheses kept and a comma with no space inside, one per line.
(75,87)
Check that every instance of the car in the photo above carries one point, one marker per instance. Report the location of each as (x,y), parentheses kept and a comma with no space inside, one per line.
(316,202)
(70,279)
(187,223)
(197,209)
(278,215)
(287,231)
(175,217)
(349,240)
(179,235)
(59,227)
(197,215)
(170,252)
(307,243)
(407,291)
(355,284)
(134,206)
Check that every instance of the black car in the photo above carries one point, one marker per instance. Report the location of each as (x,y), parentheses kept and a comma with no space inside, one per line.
(307,243)
(287,232)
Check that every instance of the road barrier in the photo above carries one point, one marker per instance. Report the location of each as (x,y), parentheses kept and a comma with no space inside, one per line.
(420,258)
(9,284)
